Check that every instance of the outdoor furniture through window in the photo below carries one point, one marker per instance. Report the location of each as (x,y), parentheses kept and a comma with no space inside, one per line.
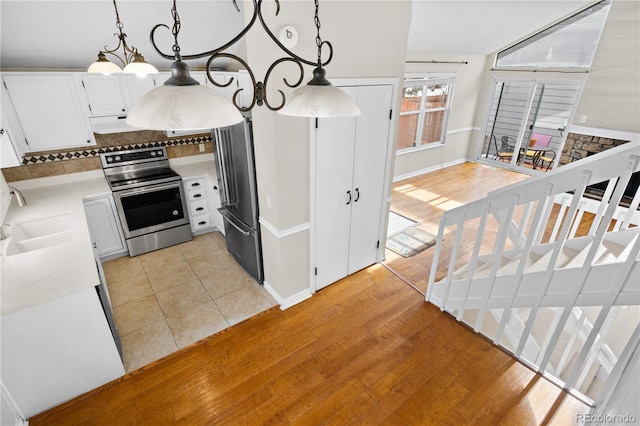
(507,145)
(538,148)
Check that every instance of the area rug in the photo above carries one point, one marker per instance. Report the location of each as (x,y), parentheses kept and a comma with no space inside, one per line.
(397,223)
(410,242)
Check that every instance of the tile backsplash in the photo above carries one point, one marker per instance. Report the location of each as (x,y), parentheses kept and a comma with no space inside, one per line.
(52,163)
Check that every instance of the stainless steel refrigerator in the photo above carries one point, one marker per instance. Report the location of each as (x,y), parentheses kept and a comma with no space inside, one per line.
(239,194)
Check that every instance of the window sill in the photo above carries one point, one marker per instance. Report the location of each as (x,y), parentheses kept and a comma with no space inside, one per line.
(420,148)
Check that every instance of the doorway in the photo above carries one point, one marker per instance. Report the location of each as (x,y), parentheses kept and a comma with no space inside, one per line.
(526,122)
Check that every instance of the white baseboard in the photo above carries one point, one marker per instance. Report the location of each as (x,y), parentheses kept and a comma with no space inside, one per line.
(429,169)
(289,301)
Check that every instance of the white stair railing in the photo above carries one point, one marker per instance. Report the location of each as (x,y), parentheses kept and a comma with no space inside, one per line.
(526,253)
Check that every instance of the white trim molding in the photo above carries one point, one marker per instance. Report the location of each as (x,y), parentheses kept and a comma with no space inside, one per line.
(284,233)
(602,133)
(462,130)
(289,301)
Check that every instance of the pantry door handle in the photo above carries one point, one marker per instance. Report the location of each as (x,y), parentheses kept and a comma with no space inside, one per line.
(357,195)
(349,200)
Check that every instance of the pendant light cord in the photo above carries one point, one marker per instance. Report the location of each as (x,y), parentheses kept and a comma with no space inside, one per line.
(319,42)
(175,30)
(118,23)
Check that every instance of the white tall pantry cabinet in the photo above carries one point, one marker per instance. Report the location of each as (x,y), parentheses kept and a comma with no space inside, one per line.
(350,169)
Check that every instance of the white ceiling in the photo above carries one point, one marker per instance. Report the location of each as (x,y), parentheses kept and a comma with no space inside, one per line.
(68,34)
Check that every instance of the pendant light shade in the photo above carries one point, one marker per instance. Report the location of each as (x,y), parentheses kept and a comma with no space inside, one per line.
(319,99)
(132,60)
(139,66)
(104,66)
(182,103)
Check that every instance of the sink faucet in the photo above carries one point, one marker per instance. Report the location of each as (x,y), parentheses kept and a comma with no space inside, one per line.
(19,197)
(2,234)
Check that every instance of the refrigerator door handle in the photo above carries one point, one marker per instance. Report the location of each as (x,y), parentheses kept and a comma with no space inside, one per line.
(233,221)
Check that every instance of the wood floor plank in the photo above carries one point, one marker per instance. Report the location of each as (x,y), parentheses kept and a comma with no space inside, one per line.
(364,351)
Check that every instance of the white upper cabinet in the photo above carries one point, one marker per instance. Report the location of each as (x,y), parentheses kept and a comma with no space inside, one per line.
(135,87)
(115,94)
(48,110)
(246,94)
(11,152)
(104,94)
(224,77)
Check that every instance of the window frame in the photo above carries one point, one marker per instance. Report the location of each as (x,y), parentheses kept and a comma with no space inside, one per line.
(542,33)
(424,80)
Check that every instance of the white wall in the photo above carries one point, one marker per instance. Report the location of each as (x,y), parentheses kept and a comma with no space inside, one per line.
(611,96)
(369,40)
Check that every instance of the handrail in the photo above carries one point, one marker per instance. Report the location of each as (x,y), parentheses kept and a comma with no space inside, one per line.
(537,221)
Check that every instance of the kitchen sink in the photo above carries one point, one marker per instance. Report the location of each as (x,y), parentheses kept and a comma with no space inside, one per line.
(40,233)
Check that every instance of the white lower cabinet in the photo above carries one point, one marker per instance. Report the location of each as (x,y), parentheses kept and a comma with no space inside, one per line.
(57,350)
(203,201)
(104,227)
(350,168)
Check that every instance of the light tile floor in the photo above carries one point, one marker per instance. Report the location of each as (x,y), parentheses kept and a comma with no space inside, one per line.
(167,299)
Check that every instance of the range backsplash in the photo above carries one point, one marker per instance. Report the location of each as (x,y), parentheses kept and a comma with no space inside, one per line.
(52,163)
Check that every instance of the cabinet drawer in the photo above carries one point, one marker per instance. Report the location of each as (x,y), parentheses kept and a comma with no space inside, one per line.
(194,184)
(198,207)
(197,194)
(200,222)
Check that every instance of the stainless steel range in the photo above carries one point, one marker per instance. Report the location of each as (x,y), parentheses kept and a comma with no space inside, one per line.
(149,197)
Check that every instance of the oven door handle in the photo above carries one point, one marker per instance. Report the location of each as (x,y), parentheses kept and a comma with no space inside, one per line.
(148,188)
(235,222)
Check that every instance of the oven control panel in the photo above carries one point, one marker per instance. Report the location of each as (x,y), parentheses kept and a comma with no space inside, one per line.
(133,156)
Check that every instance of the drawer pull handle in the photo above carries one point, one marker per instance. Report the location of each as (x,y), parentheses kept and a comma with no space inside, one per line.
(195,184)
(197,195)
(202,223)
(199,209)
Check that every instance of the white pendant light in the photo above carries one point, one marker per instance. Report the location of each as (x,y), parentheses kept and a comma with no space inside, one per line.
(139,66)
(319,98)
(104,66)
(182,104)
(132,60)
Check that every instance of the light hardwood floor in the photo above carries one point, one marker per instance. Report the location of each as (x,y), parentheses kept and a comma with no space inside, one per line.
(424,198)
(366,350)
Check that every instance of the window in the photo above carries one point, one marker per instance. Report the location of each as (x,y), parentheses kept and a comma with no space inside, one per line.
(424,112)
(569,43)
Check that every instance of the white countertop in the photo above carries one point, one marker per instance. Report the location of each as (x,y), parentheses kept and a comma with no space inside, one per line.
(199,165)
(41,275)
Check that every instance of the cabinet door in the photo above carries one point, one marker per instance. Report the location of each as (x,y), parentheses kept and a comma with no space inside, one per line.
(244,83)
(49,109)
(57,350)
(223,78)
(104,94)
(334,174)
(135,87)
(371,147)
(13,141)
(104,226)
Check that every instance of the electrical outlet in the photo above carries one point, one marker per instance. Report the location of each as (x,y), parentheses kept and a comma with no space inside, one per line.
(201,146)
(583,118)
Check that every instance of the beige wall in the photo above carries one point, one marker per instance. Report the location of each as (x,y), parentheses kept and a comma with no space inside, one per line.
(462,128)
(611,96)
(369,40)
